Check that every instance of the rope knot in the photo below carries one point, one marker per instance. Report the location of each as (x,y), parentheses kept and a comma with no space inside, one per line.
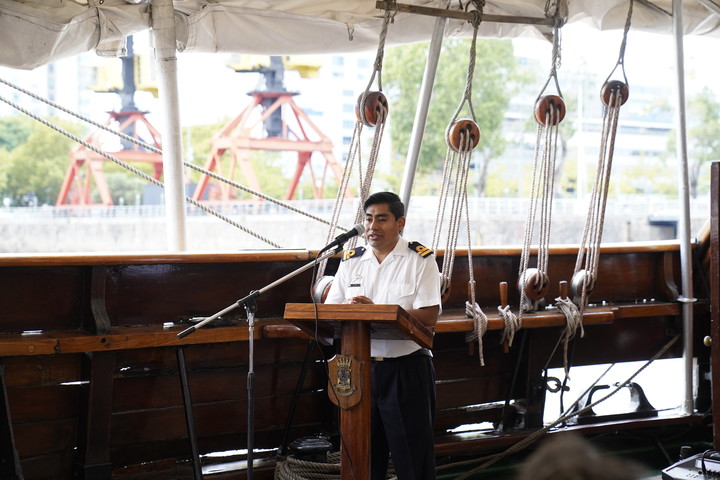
(512,324)
(480,323)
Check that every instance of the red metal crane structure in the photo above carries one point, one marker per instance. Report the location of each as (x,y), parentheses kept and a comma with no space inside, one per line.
(87,167)
(271,122)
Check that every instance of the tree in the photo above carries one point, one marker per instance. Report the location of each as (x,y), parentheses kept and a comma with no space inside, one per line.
(496,78)
(14,131)
(32,171)
(703,135)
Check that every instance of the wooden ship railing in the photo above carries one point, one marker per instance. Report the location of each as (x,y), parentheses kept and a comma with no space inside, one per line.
(89,347)
(95,382)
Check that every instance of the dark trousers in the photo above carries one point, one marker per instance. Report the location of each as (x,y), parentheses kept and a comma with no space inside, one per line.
(403,413)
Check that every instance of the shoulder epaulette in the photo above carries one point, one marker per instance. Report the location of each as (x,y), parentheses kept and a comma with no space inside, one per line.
(355,252)
(420,249)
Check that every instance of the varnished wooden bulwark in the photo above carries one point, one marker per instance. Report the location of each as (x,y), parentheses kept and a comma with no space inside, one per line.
(88,345)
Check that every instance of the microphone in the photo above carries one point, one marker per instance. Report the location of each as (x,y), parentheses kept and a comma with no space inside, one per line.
(344,237)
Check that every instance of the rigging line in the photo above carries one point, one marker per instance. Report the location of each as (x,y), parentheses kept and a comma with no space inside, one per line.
(541,196)
(154,149)
(353,153)
(458,155)
(574,322)
(467,94)
(543,180)
(390,12)
(364,181)
(522,444)
(258,194)
(462,159)
(135,171)
(480,320)
(380,109)
(589,251)
(451,242)
(440,212)
(587,390)
(623,44)
(556,52)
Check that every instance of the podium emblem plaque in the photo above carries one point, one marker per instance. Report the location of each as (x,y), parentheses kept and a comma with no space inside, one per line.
(345,381)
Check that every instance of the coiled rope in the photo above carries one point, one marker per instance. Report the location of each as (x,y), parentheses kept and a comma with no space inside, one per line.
(297,469)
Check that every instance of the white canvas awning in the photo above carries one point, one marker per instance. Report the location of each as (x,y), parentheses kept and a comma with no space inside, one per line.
(37,32)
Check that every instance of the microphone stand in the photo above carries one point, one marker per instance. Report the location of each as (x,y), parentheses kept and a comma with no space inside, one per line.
(250,308)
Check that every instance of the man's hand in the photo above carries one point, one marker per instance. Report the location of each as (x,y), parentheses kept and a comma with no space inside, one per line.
(359,299)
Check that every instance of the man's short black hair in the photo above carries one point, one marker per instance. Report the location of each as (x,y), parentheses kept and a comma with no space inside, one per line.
(395,205)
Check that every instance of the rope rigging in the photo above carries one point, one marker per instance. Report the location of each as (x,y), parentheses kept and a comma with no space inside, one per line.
(153,149)
(613,94)
(461,136)
(549,111)
(371,110)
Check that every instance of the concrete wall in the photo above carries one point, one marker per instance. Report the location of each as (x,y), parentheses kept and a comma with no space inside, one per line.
(54,234)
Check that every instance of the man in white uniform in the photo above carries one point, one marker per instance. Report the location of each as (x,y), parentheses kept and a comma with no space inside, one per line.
(395,271)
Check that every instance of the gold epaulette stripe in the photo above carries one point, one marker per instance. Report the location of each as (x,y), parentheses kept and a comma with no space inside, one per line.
(355,252)
(420,249)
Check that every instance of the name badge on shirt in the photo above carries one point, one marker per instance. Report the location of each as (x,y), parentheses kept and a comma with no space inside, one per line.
(355,288)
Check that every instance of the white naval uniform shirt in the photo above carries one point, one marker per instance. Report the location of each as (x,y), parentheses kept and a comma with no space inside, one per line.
(404,278)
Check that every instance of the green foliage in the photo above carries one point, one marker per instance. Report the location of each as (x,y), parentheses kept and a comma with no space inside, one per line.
(703,134)
(125,188)
(32,171)
(496,78)
(197,143)
(639,179)
(703,138)
(14,131)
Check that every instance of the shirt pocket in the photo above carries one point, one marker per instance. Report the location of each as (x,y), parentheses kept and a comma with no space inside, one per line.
(354,290)
(401,290)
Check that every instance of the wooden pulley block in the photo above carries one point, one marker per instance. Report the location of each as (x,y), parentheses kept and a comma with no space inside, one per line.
(611,90)
(534,283)
(463,135)
(321,288)
(581,279)
(550,104)
(375,108)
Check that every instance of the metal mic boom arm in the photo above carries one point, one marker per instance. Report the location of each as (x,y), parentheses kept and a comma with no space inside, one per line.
(256,293)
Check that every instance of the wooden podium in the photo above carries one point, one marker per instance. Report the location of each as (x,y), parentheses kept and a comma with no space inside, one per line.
(352,324)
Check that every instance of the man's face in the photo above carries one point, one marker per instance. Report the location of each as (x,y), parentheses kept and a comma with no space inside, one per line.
(382,230)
